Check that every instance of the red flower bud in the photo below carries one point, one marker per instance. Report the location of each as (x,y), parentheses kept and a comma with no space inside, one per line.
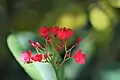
(45,56)
(67,55)
(57,62)
(79,40)
(76,44)
(50,55)
(48,41)
(38,44)
(58,48)
(35,44)
(32,43)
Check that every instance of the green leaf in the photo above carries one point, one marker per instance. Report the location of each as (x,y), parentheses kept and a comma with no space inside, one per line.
(37,71)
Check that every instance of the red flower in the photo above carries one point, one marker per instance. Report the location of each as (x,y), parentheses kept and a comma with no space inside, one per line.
(79,57)
(37,57)
(55,30)
(44,31)
(26,56)
(64,33)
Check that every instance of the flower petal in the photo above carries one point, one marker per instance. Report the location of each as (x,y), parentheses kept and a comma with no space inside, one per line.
(29,54)
(83,56)
(82,61)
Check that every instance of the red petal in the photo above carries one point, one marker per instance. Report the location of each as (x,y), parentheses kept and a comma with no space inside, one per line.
(69,31)
(37,57)
(78,52)
(26,56)
(44,31)
(83,56)
(64,29)
(75,56)
(55,30)
(81,61)
(29,53)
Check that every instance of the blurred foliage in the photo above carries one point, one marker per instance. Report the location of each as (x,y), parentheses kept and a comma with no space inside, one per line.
(73,17)
(102,16)
(96,21)
(115,4)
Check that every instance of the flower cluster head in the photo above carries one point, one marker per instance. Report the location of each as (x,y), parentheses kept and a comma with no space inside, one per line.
(43,52)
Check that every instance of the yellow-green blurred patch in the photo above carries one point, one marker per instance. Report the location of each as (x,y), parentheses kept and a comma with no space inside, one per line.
(114,3)
(99,19)
(73,17)
(102,16)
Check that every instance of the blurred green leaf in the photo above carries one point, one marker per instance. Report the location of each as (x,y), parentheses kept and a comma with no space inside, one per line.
(38,71)
(110,72)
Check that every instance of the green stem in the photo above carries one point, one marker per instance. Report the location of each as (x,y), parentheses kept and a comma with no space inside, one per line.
(65,46)
(46,44)
(37,50)
(56,71)
(71,48)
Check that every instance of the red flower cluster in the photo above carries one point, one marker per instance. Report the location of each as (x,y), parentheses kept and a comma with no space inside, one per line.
(79,57)
(61,33)
(28,57)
